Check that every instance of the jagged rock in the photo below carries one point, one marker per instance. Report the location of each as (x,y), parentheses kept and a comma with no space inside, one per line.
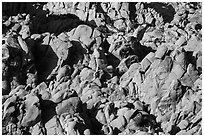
(161,51)
(63,95)
(61,48)
(69,106)
(198,84)
(145,64)
(118,123)
(8,109)
(86,74)
(100,116)
(98,59)
(120,24)
(53,127)
(86,35)
(126,63)
(81,68)
(199,63)
(37,130)
(63,71)
(128,114)
(128,75)
(183,124)
(124,10)
(32,111)
(190,76)
(122,111)
(194,44)
(31,80)
(25,31)
(16,27)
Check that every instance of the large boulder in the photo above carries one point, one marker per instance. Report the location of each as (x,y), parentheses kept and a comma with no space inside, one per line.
(69,106)
(32,111)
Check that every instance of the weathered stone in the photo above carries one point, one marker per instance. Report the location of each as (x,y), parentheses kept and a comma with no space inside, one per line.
(180,41)
(61,48)
(183,124)
(161,51)
(74,68)
(25,31)
(199,63)
(145,64)
(35,36)
(126,63)
(33,111)
(120,24)
(63,71)
(16,27)
(63,95)
(128,114)
(8,109)
(190,76)
(83,33)
(122,111)
(69,106)
(127,76)
(53,127)
(100,116)
(36,130)
(118,123)
(86,74)
(98,59)
(178,70)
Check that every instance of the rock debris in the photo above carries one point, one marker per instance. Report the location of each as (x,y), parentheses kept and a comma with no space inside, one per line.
(102,68)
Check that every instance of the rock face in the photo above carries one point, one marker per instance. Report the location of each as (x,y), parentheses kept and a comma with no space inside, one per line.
(102,68)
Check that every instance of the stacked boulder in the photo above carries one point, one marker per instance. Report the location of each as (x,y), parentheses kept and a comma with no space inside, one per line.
(102,68)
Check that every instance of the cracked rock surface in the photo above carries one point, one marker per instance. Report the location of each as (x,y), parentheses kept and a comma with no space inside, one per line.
(102,68)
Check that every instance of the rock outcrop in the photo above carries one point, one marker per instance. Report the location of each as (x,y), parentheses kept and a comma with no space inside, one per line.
(102,68)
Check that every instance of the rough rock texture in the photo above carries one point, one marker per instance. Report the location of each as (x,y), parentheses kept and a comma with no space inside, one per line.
(102,68)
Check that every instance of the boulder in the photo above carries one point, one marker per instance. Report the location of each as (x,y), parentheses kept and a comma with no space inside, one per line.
(86,74)
(32,111)
(119,123)
(53,127)
(161,51)
(70,106)
(61,48)
(183,124)
(128,75)
(63,95)
(8,109)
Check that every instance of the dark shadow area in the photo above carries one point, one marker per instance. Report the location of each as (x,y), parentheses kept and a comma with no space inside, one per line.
(76,53)
(142,32)
(54,24)
(141,51)
(132,10)
(116,131)
(190,58)
(165,10)
(13,8)
(112,60)
(97,126)
(48,110)
(174,130)
(45,60)
(41,21)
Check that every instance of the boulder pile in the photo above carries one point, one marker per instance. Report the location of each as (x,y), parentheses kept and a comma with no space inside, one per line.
(102,68)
